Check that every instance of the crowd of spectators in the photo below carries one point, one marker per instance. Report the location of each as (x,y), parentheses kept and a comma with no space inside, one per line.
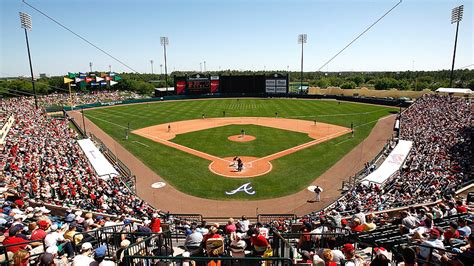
(438,164)
(42,161)
(80,98)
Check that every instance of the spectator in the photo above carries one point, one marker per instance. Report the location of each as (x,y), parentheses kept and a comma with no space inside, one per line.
(351,259)
(464,229)
(409,257)
(21,258)
(259,242)
(155,223)
(14,238)
(230,227)
(433,241)
(193,241)
(85,257)
(381,257)
(55,238)
(243,224)
(452,232)
(369,224)
(99,257)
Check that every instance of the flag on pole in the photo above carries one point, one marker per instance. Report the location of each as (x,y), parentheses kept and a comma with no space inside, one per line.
(117,78)
(108,78)
(111,74)
(88,79)
(94,84)
(103,75)
(67,80)
(71,75)
(98,79)
(103,83)
(77,80)
(113,82)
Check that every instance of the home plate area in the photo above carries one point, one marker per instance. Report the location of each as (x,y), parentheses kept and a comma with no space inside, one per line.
(252,166)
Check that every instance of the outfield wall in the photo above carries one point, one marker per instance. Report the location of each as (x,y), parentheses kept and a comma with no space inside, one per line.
(394,93)
(388,102)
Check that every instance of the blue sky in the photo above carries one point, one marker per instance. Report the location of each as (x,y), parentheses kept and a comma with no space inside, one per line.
(235,34)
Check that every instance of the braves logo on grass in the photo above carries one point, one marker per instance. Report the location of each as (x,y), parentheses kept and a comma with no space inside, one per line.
(244,188)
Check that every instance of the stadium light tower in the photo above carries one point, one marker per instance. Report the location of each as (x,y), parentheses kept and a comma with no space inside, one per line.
(164,42)
(456,17)
(90,66)
(161,67)
(302,38)
(26,24)
(151,62)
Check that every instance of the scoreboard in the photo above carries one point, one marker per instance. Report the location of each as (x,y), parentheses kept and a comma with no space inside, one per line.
(200,83)
(197,84)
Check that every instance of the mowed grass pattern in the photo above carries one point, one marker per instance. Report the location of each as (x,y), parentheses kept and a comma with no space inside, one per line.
(190,174)
(269,140)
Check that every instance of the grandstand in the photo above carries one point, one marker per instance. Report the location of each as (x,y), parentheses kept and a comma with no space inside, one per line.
(55,208)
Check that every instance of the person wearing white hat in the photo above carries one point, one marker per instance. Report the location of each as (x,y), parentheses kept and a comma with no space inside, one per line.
(56,238)
(119,254)
(85,257)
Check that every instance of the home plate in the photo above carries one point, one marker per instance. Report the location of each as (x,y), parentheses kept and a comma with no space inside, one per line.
(158,185)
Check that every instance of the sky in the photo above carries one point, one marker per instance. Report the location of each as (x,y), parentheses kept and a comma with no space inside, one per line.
(234,34)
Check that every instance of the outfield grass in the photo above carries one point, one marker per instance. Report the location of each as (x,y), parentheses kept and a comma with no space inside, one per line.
(190,174)
(269,140)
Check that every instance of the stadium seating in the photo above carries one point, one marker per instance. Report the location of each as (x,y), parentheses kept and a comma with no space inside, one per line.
(41,165)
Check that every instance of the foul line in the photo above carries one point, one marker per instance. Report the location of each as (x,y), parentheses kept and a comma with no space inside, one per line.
(280,154)
(106,121)
(141,143)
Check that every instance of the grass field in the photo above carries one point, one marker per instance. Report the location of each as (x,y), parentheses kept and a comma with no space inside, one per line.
(190,174)
(269,140)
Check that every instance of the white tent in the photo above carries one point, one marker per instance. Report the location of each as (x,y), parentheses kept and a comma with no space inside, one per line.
(455,90)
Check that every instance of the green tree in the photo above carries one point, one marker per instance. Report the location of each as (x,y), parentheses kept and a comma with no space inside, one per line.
(358,79)
(322,83)
(348,85)
(470,84)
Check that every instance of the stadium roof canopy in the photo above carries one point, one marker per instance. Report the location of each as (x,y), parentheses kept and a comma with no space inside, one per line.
(455,90)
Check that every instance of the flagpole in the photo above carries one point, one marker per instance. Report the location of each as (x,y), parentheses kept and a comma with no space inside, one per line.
(70,94)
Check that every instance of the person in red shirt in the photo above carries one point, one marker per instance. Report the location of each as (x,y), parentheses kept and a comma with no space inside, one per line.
(452,232)
(12,239)
(357,227)
(39,233)
(460,208)
(155,224)
(212,234)
(258,241)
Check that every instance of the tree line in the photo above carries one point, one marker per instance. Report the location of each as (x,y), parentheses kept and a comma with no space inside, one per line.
(145,83)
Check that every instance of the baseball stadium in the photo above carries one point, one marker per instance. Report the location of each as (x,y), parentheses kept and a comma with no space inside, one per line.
(233,167)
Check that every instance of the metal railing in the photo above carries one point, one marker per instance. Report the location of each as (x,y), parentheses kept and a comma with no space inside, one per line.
(222,261)
(34,252)
(268,218)
(100,236)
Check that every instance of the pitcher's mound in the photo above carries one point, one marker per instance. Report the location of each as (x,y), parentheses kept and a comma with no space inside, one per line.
(240,138)
(252,167)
